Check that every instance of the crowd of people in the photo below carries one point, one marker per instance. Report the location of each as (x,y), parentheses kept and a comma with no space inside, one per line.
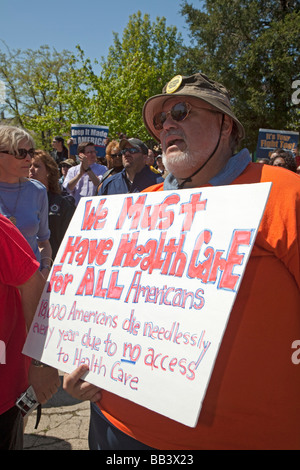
(253,399)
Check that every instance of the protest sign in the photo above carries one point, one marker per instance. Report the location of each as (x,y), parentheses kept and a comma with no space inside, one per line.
(89,133)
(270,140)
(142,288)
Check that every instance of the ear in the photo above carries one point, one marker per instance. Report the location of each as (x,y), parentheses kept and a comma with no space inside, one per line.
(227,126)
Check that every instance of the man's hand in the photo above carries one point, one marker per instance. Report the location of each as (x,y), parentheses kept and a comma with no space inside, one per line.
(84,163)
(78,388)
(45,382)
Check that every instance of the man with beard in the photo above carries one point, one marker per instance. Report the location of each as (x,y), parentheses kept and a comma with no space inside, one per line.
(252,399)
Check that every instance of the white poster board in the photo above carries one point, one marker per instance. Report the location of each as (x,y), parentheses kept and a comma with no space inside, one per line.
(142,288)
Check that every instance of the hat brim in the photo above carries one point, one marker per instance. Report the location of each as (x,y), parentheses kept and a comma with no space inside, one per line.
(154,105)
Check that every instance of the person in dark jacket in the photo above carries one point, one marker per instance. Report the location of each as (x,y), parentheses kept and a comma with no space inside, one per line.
(136,175)
(61,209)
(60,151)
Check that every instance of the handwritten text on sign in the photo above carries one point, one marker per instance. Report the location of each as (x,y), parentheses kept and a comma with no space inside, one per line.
(142,288)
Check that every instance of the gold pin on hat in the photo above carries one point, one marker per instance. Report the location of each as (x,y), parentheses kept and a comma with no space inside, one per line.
(174,84)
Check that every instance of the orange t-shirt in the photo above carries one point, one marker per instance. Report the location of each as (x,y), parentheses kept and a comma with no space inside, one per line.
(253,397)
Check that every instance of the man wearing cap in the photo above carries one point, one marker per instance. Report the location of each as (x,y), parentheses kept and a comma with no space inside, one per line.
(252,399)
(136,175)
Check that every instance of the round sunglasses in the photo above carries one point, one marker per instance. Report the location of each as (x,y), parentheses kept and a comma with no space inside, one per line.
(22,153)
(179,113)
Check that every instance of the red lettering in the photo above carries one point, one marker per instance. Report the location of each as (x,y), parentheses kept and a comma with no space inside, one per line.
(215,263)
(131,210)
(229,280)
(114,291)
(196,270)
(95,217)
(218,264)
(70,248)
(97,251)
(190,209)
(160,217)
(152,217)
(87,283)
(59,282)
(118,375)
(128,249)
(82,251)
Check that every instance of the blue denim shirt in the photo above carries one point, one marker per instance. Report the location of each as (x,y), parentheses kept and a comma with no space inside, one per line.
(119,183)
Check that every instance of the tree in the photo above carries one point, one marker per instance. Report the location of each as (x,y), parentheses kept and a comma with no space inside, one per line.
(49,91)
(252,47)
(137,66)
(33,82)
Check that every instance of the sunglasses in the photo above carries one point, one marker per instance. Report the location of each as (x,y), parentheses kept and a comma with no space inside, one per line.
(22,153)
(131,150)
(114,155)
(179,113)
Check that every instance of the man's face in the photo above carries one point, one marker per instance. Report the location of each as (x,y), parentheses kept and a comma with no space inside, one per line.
(150,159)
(133,161)
(187,144)
(90,154)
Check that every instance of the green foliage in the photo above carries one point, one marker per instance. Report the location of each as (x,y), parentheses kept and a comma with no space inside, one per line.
(48,91)
(252,47)
(136,68)
(33,81)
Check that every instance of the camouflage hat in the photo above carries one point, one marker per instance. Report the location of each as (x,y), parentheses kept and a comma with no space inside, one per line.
(69,162)
(197,86)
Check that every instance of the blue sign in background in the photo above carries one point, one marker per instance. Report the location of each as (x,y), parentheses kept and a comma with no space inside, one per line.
(89,133)
(270,140)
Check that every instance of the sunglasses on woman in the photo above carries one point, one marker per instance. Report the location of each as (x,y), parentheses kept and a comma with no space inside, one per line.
(114,155)
(22,153)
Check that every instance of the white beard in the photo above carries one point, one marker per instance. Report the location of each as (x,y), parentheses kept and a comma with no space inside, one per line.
(176,163)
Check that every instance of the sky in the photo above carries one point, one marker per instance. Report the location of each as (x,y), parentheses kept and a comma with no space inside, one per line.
(62,24)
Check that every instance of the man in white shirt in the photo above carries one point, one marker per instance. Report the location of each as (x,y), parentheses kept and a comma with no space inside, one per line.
(82,180)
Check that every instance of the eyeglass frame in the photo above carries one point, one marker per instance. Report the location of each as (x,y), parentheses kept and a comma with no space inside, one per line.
(115,155)
(188,106)
(29,152)
(131,150)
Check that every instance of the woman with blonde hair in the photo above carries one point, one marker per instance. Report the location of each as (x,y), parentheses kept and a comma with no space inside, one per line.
(113,159)
(61,208)
(22,201)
